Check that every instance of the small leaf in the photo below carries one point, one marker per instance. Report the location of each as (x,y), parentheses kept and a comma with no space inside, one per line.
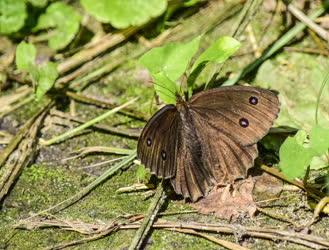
(165,88)
(172,58)
(46,76)
(122,14)
(301,137)
(320,139)
(142,173)
(219,51)
(294,158)
(319,162)
(25,56)
(12,15)
(38,3)
(65,21)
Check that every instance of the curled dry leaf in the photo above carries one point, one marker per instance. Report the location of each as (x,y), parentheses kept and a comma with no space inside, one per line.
(229,202)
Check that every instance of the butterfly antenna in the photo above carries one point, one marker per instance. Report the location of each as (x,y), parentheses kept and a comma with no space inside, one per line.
(324,83)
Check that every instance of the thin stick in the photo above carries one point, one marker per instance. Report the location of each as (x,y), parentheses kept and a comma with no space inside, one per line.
(266,233)
(308,22)
(99,230)
(134,134)
(89,100)
(101,149)
(76,130)
(151,214)
(224,243)
(318,209)
(307,50)
(103,44)
(312,192)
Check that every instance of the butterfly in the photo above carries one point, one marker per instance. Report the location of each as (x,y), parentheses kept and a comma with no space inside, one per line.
(208,140)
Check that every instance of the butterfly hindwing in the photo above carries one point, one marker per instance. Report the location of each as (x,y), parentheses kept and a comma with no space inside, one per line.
(157,144)
(212,159)
(192,180)
(243,113)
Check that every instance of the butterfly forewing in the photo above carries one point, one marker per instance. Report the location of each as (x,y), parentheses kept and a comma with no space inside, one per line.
(157,144)
(245,114)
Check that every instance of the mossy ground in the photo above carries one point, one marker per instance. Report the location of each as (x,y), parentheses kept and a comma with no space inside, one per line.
(50,180)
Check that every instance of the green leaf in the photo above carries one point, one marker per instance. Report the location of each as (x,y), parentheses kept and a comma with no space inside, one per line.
(294,158)
(165,88)
(25,56)
(301,137)
(122,14)
(320,139)
(12,15)
(38,3)
(190,3)
(298,89)
(319,162)
(172,58)
(45,78)
(218,52)
(65,21)
(142,173)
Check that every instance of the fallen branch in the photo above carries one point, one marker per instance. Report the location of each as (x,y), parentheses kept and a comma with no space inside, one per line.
(100,230)
(308,22)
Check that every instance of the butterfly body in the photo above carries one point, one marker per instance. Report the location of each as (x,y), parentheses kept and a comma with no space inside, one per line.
(208,140)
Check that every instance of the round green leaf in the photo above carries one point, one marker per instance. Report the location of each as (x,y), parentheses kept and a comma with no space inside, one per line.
(12,15)
(47,74)
(319,162)
(25,56)
(320,139)
(65,21)
(172,58)
(294,158)
(122,14)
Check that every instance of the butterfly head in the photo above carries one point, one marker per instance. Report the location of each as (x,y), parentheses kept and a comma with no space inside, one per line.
(181,104)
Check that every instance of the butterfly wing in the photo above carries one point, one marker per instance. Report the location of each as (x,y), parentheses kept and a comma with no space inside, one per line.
(222,130)
(244,114)
(158,142)
(208,158)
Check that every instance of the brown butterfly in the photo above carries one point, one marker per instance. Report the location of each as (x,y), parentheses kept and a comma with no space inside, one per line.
(208,140)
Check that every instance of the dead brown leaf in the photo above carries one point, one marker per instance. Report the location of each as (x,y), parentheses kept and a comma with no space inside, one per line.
(229,202)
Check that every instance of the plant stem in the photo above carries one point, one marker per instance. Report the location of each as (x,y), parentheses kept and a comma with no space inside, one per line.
(78,129)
